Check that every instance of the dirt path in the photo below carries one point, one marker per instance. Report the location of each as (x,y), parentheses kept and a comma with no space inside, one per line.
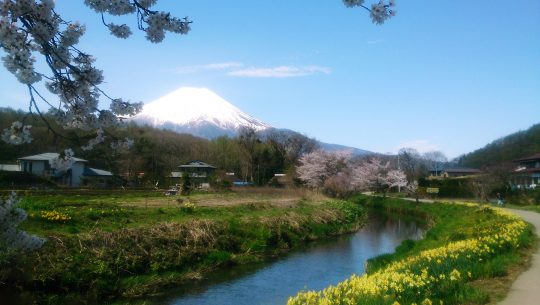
(526,289)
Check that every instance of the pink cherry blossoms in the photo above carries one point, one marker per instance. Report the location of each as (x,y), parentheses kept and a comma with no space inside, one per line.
(339,173)
(317,167)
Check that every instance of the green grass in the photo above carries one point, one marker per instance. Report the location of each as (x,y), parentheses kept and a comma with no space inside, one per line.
(454,222)
(115,248)
(533,208)
(111,250)
(120,209)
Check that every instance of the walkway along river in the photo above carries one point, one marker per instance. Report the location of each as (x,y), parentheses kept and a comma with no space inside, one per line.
(314,268)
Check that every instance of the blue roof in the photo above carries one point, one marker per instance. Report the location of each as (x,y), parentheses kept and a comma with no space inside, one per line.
(88,171)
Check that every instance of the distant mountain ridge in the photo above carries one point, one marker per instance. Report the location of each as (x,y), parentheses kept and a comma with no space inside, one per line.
(506,149)
(203,113)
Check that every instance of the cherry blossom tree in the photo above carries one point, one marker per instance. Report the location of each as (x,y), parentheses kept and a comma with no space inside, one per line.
(318,166)
(373,174)
(370,174)
(412,189)
(339,185)
(30,28)
(379,12)
(396,178)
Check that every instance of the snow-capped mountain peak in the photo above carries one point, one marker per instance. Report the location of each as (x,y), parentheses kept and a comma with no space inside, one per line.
(198,111)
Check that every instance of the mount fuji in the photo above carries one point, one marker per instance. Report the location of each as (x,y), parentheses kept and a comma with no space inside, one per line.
(201,112)
(197,111)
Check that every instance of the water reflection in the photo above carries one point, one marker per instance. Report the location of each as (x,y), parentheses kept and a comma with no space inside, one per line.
(315,267)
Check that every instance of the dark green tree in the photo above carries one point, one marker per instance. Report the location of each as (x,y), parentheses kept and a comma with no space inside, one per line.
(187,185)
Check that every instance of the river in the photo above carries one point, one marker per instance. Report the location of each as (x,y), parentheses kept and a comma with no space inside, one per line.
(314,267)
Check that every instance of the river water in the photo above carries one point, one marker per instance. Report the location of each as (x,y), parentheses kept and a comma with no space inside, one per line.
(313,268)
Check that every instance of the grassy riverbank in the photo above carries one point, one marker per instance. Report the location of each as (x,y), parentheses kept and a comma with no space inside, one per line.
(469,256)
(104,249)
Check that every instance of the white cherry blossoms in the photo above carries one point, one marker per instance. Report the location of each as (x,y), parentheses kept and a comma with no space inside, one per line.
(11,238)
(353,3)
(63,162)
(379,12)
(32,30)
(120,31)
(154,23)
(17,134)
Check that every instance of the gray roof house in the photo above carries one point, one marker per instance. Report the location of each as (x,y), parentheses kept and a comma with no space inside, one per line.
(40,165)
(199,171)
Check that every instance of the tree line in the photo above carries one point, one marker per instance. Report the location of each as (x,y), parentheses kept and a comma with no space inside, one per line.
(253,157)
(505,150)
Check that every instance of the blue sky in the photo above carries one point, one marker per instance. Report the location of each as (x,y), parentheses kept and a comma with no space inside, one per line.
(445,75)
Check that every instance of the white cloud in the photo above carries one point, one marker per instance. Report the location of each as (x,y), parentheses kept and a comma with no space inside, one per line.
(234,68)
(214,66)
(421,145)
(280,71)
(223,65)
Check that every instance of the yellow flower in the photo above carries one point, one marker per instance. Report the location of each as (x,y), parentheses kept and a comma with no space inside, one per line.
(455,275)
(427,302)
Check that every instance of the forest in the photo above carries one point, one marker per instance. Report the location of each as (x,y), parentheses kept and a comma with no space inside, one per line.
(505,150)
(251,156)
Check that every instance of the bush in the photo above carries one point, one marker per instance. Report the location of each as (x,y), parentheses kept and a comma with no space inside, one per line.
(523,197)
(448,187)
(23,180)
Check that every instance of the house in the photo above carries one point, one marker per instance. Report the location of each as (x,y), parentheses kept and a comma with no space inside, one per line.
(527,173)
(198,171)
(40,165)
(455,172)
(460,172)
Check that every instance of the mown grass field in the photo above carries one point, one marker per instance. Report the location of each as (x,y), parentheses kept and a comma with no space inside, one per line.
(469,256)
(114,248)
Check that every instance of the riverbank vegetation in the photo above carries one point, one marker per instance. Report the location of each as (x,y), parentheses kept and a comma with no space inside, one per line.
(105,248)
(467,249)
